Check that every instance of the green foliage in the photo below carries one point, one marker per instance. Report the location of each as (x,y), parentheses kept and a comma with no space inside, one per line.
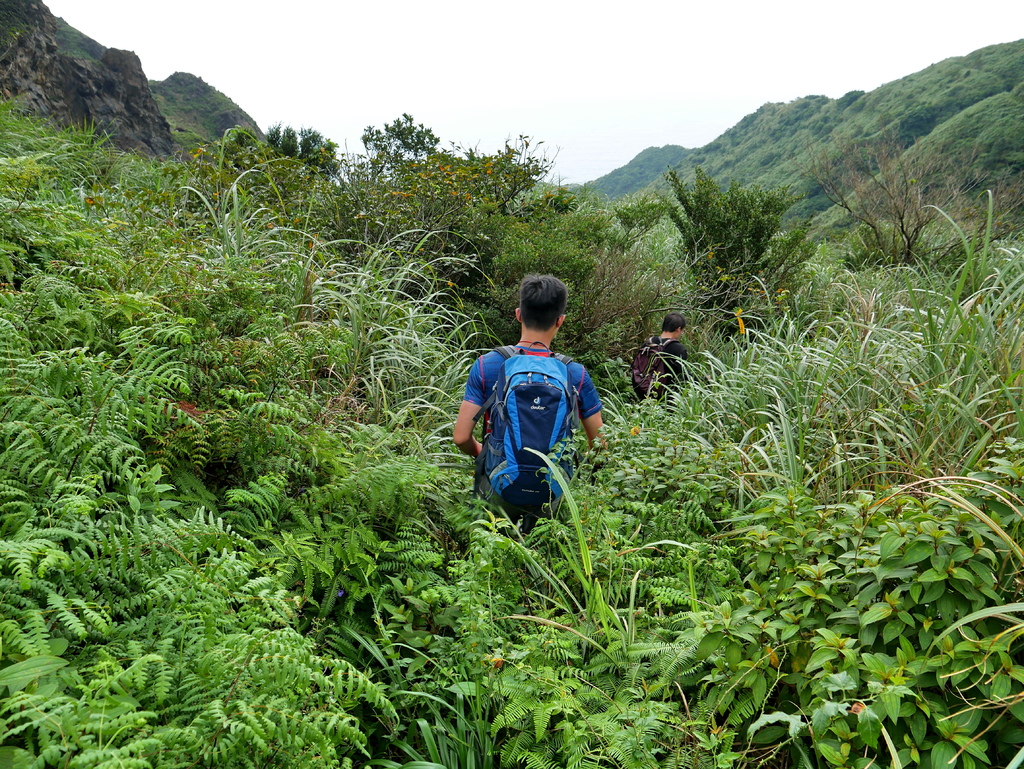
(197,112)
(399,143)
(612,284)
(73,43)
(597,682)
(307,145)
(638,215)
(233,530)
(641,171)
(847,626)
(197,659)
(732,242)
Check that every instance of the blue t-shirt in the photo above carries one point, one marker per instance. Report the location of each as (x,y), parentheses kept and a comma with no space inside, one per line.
(484,373)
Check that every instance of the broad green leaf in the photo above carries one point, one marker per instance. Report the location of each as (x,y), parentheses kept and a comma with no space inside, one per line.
(869,726)
(933,592)
(918,726)
(876,613)
(19,675)
(916,552)
(709,645)
(892,630)
(819,658)
(878,664)
(943,755)
(823,714)
(759,688)
(830,753)
(796,723)
(1017,710)
(733,653)
(839,682)
(890,544)
(466,688)
(889,702)
(1001,687)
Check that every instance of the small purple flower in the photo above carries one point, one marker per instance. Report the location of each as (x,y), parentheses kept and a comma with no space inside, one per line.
(341,593)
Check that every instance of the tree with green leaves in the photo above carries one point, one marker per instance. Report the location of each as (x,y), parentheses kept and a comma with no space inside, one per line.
(308,145)
(399,142)
(732,240)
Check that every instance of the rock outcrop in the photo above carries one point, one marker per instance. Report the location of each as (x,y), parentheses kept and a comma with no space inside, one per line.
(113,94)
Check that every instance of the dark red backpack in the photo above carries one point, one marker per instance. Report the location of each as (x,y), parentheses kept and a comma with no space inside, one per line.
(649,369)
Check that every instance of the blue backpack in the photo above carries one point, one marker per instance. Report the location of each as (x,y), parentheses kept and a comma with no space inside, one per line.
(533,405)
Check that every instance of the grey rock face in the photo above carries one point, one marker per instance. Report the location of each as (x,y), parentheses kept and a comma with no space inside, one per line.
(113,95)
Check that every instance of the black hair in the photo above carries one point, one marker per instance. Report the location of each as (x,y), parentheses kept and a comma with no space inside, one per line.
(542,300)
(672,322)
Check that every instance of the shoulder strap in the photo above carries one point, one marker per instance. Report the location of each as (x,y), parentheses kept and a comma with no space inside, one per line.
(506,352)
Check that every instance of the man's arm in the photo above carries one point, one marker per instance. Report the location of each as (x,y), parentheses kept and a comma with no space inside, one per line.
(463,432)
(592,426)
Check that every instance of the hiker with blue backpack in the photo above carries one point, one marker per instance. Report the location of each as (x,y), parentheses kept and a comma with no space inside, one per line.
(532,400)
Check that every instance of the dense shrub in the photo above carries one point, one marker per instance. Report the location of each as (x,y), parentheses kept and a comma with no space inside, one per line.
(733,243)
(875,628)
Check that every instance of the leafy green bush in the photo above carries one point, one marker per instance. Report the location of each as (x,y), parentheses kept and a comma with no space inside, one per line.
(873,627)
(733,244)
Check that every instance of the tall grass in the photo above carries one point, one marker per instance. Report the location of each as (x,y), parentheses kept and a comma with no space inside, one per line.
(405,355)
(905,377)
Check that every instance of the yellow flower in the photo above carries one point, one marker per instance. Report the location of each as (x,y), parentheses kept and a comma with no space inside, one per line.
(634,430)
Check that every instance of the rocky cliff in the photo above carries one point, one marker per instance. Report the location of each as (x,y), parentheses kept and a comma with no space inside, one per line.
(111,94)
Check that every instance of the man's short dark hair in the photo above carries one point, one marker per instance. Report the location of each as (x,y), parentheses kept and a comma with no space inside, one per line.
(672,322)
(542,300)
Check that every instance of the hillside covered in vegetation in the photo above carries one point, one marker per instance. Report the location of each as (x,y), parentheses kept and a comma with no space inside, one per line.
(198,112)
(235,531)
(968,110)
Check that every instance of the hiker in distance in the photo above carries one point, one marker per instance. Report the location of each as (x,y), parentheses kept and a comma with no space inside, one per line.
(659,363)
(531,398)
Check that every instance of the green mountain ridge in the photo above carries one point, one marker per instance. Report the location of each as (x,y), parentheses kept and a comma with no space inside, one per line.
(971,102)
(198,112)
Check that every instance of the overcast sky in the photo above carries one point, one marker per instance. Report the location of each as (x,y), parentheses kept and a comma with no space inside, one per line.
(596,83)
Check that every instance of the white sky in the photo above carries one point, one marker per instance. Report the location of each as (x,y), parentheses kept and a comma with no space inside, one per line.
(595,82)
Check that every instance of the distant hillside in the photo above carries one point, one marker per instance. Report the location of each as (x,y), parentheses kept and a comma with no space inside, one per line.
(642,170)
(974,101)
(198,112)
